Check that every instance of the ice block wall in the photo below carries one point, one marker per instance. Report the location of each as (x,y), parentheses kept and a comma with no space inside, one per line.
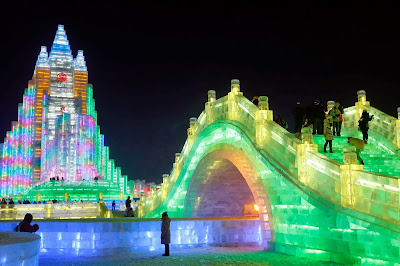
(63,210)
(123,236)
(19,249)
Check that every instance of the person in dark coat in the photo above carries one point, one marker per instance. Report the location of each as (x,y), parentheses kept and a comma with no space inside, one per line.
(298,114)
(25,225)
(318,116)
(165,232)
(363,124)
(113,205)
(328,133)
(128,202)
(255,100)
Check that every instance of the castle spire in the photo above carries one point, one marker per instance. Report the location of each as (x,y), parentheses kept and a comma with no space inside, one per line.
(79,62)
(60,47)
(43,58)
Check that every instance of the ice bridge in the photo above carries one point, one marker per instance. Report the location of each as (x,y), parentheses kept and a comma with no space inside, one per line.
(310,204)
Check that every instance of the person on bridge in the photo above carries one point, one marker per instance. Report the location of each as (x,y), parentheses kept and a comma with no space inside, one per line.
(328,133)
(298,114)
(335,113)
(363,124)
(165,232)
(318,116)
(25,225)
(359,144)
(255,100)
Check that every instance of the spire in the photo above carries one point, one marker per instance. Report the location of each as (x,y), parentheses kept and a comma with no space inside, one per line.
(79,62)
(60,47)
(43,59)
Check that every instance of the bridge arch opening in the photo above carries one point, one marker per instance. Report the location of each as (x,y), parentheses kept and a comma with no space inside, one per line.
(223,181)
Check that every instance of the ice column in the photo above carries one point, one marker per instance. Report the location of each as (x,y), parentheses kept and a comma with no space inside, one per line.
(301,157)
(209,106)
(361,104)
(398,127)
(233,108)
(348,175)
(191,133)
(262,116)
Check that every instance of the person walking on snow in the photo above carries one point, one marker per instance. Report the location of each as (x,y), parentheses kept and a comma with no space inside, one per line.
(165,232)
(328,133)
(359,144)
(363,124)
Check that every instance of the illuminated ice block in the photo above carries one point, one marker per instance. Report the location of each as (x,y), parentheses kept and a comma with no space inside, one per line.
(19,248)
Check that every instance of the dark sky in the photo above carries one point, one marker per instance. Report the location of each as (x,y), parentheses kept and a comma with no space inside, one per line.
(151,66)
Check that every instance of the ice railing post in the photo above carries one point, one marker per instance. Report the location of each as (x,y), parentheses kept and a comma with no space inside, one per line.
(233,108)
(361,105)
(348,175)
(190,132)
(301,157)
(212,97)
(262,116)
(164,187)
(398,128)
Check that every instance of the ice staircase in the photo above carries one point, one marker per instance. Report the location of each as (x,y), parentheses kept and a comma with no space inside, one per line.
(377,159)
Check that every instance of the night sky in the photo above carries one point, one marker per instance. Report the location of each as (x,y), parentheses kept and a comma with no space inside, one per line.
(151,66)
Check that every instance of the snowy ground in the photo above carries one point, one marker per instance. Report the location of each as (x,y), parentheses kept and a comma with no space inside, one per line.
(196,256)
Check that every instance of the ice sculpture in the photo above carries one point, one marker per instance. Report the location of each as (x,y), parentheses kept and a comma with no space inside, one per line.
(310,205)
(56,134)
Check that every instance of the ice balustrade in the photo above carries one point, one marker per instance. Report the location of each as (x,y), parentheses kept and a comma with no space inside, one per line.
(345,185)
(102,237)
(19,248)
(60,210)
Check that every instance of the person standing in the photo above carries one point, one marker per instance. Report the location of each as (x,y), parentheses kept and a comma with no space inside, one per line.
(317,117)
(255,100)
(335,113)
(128,203)
(328,133)
(113,205)
(359,144)
(165,232)
(298,114)
(340,118)
(363,124)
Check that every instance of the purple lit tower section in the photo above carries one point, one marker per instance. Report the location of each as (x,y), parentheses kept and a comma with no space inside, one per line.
(57,133)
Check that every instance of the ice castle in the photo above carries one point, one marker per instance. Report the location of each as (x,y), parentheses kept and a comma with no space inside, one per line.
(57,135)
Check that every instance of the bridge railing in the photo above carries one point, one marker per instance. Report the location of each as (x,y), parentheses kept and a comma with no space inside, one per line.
(387,126)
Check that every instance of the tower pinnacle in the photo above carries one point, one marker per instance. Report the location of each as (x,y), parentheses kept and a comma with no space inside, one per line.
(60,47)
(43,58)
(79,62)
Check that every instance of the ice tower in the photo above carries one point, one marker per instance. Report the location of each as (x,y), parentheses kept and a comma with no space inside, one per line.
(57,132)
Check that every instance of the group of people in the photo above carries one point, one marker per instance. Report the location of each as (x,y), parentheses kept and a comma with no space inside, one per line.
(314,117)
(329,132)
(329,123)
(56,178)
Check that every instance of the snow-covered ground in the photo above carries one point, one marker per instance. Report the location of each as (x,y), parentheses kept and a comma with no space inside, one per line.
(195,256)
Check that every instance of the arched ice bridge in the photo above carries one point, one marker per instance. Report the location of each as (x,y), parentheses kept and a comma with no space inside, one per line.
(311,205)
